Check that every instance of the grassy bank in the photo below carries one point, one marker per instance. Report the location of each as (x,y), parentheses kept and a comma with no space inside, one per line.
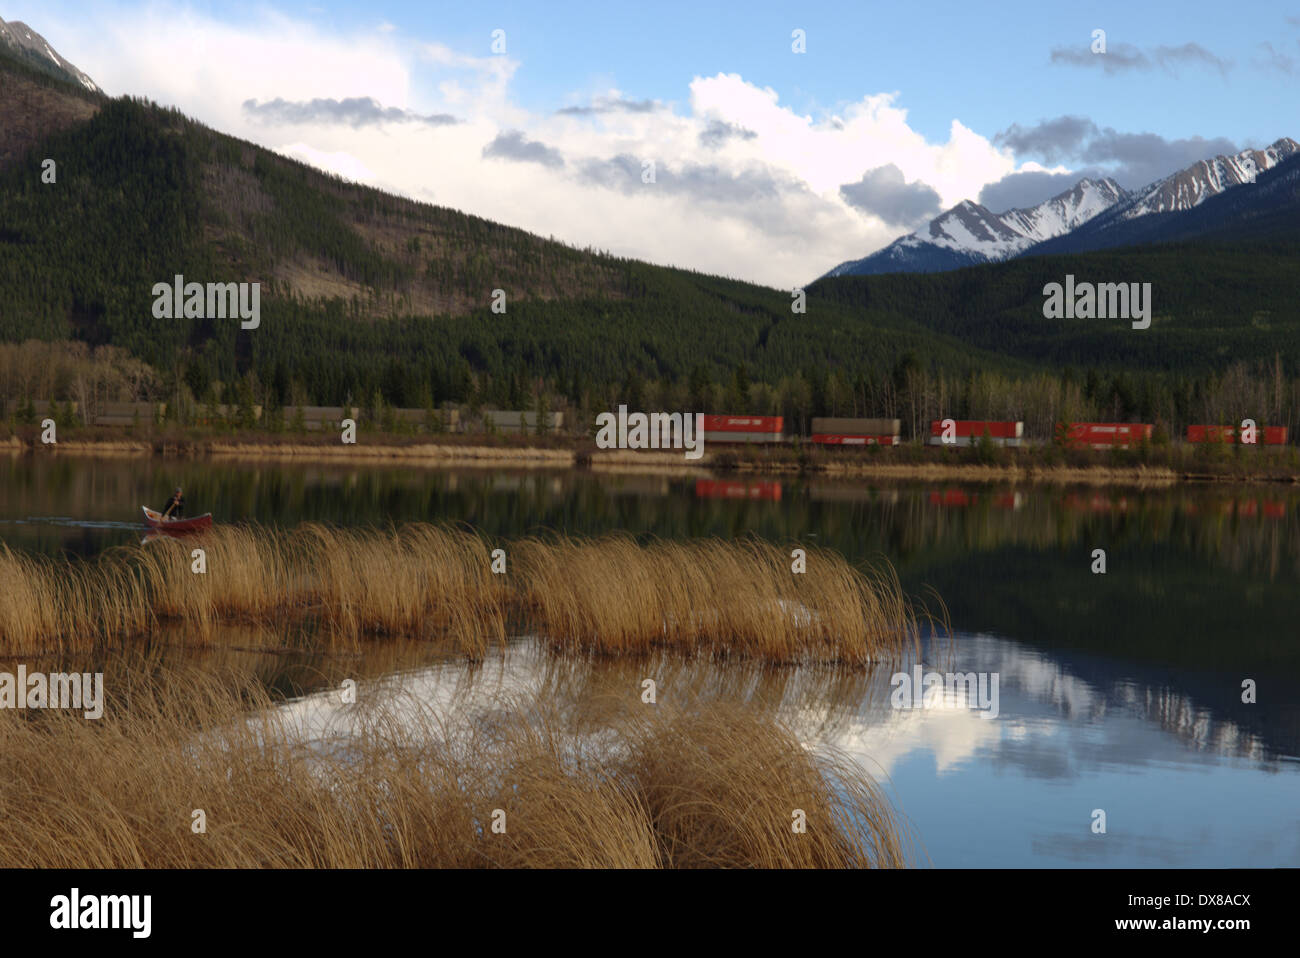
(704,786)
(607,596)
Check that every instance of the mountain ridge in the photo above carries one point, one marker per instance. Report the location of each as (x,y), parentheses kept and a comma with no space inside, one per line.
(970,234)
(30,47)
(1271,206)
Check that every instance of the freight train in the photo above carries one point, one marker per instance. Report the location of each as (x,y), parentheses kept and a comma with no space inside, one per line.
(829,431)
(825,431)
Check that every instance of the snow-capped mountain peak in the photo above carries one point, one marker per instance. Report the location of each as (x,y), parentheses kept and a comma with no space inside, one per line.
(971,233)
(30,46)
(969,226)
(1067,210)
(1200,181)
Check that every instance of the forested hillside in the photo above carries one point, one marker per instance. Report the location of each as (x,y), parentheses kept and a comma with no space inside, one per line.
(365,291)
(35,101)
(1211,304)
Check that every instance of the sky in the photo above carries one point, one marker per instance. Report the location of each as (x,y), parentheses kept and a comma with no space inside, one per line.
(693,134)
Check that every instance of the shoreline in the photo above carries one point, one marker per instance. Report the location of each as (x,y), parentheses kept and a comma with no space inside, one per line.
(746,465)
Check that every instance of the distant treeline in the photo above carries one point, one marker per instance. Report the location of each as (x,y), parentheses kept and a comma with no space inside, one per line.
(89,380)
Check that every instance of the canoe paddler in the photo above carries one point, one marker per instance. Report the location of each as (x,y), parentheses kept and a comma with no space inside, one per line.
(175,506)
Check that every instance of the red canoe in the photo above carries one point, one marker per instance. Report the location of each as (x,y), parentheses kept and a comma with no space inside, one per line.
(155,520)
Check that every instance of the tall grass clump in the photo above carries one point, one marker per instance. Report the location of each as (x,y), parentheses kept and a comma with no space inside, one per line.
(416,580)
(702,786)
(48,604)
(742,598)
(609,595)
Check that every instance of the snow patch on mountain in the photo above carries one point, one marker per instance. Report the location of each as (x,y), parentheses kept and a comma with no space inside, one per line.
(971,233)
(1194,185)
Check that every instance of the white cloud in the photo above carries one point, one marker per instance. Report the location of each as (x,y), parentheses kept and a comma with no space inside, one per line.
(207,68)
(764,205)
(344,164)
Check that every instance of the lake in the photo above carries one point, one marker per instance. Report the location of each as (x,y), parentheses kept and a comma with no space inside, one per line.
(1120,691)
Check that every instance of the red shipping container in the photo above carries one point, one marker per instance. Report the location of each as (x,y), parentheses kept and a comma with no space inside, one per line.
(1108,433)
(774,424)
(950,497)
(834,439)
(975,428)
(1212,434)
(742,437)
(1267,436)
(731,489)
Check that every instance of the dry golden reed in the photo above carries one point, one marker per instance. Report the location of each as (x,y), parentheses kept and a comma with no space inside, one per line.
(613,595)
(707,785)
(608,596)
(347,582)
